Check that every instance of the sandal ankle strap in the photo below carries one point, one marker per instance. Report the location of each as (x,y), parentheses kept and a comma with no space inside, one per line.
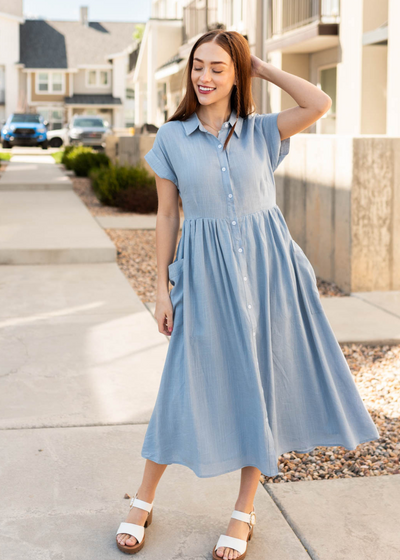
(141,504)
(249,518)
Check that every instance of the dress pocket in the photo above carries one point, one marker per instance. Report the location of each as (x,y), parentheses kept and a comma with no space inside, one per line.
(174,270)
(175,273)
(305,276)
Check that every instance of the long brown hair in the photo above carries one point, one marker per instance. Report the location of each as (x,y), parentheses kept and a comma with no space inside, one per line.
(241,97)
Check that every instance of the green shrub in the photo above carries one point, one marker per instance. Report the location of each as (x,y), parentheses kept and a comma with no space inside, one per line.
(83,162)
(130,188)
(65,158)
(82,159)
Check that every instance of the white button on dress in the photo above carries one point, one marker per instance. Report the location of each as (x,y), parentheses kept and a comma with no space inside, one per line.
(240,249)
(230,195)
(224,169)
(233,223)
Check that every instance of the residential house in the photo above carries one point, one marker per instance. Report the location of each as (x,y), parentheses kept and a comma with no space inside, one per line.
(10,20)
(76,67)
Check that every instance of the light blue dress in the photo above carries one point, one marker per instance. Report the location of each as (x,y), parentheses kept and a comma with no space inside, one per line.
(253,368)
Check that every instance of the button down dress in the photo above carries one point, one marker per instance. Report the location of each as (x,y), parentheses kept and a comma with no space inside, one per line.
(253,368)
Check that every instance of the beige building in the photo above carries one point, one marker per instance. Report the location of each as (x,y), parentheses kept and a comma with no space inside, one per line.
(342,47)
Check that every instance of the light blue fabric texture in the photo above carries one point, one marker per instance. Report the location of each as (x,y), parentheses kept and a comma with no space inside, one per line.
(253,368)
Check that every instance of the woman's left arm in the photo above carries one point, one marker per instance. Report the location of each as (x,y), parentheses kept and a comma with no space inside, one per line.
(312,102)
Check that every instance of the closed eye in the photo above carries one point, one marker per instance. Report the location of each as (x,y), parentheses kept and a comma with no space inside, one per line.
(215,71)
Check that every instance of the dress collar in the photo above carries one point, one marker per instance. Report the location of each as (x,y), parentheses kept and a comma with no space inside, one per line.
(193,122)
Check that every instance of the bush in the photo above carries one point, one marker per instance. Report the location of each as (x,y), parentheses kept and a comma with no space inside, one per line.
(65,158)
(130,188)
(82,159)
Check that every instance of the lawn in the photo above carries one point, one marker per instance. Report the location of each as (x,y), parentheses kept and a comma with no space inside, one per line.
(5,156)
(58,155)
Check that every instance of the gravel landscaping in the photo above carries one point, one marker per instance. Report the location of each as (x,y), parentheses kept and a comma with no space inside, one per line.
(376,369)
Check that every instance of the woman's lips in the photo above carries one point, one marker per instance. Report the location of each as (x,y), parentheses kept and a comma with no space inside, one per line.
(204,91)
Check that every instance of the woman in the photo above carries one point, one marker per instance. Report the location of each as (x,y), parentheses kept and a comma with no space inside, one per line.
(253,368)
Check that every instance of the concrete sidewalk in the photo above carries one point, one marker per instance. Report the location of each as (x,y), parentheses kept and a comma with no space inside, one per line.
(80,365)
(26,172)
(46,227)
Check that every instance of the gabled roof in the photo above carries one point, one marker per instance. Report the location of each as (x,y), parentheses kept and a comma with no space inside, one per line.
(69,44)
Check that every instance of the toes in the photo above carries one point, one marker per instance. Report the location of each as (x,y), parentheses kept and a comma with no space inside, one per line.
(131,541)
(220,551)
(126,539)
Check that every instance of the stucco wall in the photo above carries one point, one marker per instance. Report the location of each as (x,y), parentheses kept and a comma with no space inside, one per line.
(12,7)
(340,198)
(9,56)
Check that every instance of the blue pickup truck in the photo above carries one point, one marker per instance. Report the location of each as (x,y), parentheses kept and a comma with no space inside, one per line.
(24,129)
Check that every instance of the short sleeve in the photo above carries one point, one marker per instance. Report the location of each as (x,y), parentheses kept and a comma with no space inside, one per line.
(277,149)
(158,157)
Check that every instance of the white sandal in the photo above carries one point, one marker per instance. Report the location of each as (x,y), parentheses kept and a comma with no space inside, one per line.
(133,529)
(232,542)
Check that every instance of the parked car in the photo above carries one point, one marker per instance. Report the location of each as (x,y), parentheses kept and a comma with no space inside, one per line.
(24,129)
(87,131)
(56,138)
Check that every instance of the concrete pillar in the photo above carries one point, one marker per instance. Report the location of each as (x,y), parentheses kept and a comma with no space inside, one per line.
(393,82)
(349,69)
(138,104)
(374,71)
(152,45)
(274,92)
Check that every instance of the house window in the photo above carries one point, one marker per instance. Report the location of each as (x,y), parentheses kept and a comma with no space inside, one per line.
(43,82)
(103,78)
(57,81)
(50,82)
(92,77)
(97,78)
(327,82)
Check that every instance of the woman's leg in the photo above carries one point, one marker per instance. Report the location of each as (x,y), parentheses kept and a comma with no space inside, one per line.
(250,478)
(146,492)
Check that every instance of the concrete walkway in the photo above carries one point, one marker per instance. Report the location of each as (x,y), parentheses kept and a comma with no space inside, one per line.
(27,172)
(80,365)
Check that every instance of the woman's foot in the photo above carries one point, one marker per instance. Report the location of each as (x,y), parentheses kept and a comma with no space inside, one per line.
(238,529)
(135,515)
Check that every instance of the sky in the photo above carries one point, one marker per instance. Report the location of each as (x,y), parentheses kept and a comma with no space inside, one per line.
(99,10)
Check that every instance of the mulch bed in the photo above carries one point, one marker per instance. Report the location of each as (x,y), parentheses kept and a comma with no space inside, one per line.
(376,369)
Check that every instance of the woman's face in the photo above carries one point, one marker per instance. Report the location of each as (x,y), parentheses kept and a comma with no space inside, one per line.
(212,68)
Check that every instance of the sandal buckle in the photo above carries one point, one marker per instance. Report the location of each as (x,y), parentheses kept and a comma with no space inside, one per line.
(252,518)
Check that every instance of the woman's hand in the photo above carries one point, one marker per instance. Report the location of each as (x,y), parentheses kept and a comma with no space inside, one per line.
(256,64)
(163,314)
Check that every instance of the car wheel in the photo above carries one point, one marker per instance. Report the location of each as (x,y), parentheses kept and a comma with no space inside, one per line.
(6,145)
(55,143)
